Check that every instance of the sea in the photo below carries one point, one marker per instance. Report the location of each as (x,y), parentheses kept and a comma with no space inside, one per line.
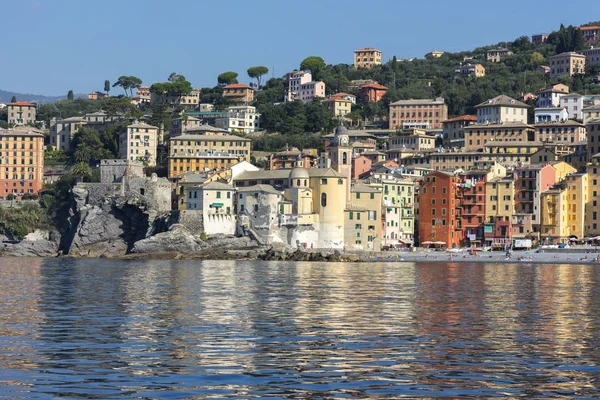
(137,329)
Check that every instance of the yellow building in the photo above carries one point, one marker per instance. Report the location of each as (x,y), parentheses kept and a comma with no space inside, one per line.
(569,63)
(501,109)
(367,57)
(239,93)
(562,170)
(592,211)
(510,153)
(472,70)
(21,161)
(21,113)
(363,227)
(476,136)
(139,142)
(190,152)
(500,201)
(554,225)
(578,187)
(338,106)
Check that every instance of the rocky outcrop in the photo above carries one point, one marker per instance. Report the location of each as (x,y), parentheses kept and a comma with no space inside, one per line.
(286,254)
(181,243)
(36,244)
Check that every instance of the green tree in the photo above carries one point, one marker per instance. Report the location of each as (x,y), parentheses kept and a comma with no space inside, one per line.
(81,170)
(128,83)
(107,86)
(257,72)
(536,59)
(70,95)
(227,78)
(13,99)
(122,106)
(86,146)
(314,64)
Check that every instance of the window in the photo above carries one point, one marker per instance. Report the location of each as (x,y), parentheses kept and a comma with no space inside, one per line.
(323,181)
(218,195)
(324,199)
(372,215)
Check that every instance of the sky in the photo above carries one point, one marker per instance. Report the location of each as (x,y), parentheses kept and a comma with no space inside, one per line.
(53,46)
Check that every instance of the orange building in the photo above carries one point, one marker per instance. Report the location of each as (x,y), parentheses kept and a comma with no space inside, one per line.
(21,161)
(421,113)
(439,205)
(372,92)
(239,93)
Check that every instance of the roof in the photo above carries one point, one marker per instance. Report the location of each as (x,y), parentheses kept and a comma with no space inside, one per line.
(503,101)
(568,122)
(21,132)
(206,128)
(362,188)
(439,100)
(374,86)
(205,154)
(72,119)
(494,143)
(341,94)
(366,49)
(336,99)
(237,86)
(217,186)
(461,118)
(502,50)
(568,53)
(21,103)
(190,136)
(502,125)
(142,125)
(589,28)
(285,173)
(353,133)
(259,188)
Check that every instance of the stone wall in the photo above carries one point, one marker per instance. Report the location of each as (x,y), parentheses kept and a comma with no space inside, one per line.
(192,220)
(97,193)
(113,170)
(156,191)
(16,203)
(220,223)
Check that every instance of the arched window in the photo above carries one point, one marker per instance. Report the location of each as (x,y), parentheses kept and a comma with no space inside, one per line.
(298,182)
(324,200)
(305,182)
(340,182)
(344,158)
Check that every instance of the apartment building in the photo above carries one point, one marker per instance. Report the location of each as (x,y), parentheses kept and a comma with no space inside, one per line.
(240,119)
(569,63)
(143,94)
(366,232)
(21,113)
(499,211)
(550,114)
(416,139)
(367,57)
(301,87)
(539,38)
(440,213)
(592,56)
(591,34)
(239,93)
(590,112)
(501,109)
(477,135)
(453,130)
(530,182)
(593,138)
(190,100)
(21,161)
(289,158)
(573,103)
(550,96)
(566,132)
(62,131)
(139,143)
(206,151)
(421,113)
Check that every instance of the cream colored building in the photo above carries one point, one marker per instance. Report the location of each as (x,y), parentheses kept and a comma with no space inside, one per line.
(497,55)
(139,142)
(216,202)
(62,131)
(501,109)
(338,106)
(569,63)
(192,99)
(21,113)
(472,70)
(367,57)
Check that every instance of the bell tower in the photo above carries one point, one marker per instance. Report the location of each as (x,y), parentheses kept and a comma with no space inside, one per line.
(341,156)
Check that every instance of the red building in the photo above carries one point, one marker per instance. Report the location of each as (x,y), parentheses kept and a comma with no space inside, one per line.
(440,211)
(288,159)
(360,166)
(372,92)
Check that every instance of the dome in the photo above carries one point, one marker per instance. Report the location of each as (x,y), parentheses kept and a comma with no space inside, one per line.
(341,130)
(299,173)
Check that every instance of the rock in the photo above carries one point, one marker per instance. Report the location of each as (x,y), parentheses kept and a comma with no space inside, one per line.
(177,240)
(36,244)
(98,234)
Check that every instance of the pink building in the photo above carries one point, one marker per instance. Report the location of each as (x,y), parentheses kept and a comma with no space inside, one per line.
(301,87)
(360,166)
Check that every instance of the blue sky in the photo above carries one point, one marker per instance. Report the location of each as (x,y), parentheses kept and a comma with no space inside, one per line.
(51,46)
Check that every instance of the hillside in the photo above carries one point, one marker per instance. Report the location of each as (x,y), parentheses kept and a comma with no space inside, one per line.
(6,96)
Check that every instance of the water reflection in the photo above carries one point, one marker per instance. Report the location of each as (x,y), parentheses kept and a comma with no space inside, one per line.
(114,329)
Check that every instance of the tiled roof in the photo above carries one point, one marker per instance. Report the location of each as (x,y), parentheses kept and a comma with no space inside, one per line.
(374,86)
(237,86)
(21,103)
(503,101)
(461,118)
(259,188)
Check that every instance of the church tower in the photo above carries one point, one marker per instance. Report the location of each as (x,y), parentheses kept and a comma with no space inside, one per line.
(341,156)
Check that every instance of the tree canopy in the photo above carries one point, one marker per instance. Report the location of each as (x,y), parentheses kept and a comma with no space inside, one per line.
(257,72)
(227,78)
(314,64)
(128,83)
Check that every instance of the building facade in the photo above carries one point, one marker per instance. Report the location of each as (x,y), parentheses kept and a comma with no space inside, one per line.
(62,131)
(372,92)
(239,93)
(367,57)
(501,109)
(21,162)
(423,113)
(139,143)
(240,119)
(569,63)
(21,113)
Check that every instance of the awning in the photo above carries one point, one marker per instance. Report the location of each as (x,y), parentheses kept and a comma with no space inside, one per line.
(217,204)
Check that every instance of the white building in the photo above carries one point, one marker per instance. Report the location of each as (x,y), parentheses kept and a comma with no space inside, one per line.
(240,119)
(301,87)
(573,103)
(550,96)
(215,201)
(550,114)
